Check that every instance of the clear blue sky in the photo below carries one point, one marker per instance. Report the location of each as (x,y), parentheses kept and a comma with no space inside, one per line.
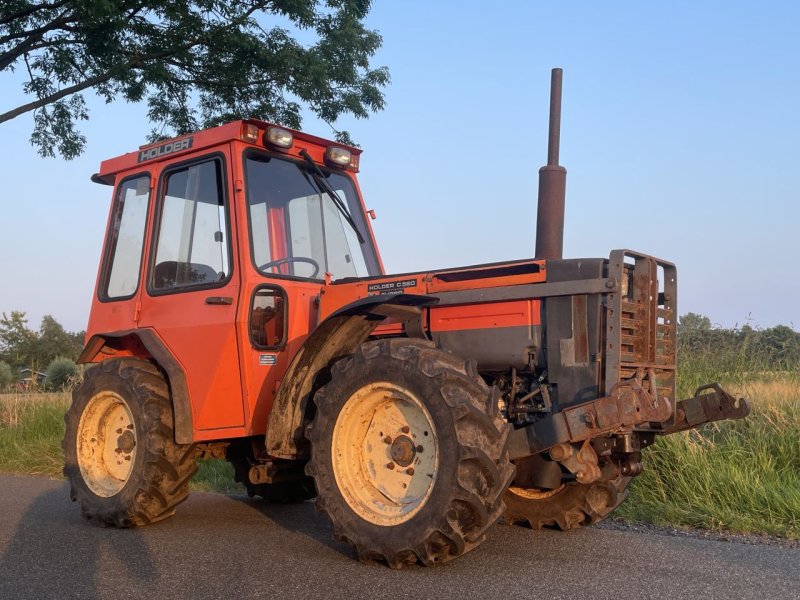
(680,136)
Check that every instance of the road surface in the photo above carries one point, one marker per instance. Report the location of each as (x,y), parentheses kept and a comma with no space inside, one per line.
(231,547)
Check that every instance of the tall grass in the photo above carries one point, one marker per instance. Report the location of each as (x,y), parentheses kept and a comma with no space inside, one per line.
(742,476)
(31,430)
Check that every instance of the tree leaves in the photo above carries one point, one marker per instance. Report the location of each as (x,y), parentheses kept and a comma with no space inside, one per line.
(197,63)
(21,347)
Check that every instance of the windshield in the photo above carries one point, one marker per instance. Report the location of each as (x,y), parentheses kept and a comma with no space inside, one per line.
(296,228)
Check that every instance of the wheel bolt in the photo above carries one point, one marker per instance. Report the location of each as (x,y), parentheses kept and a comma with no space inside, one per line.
(410,471)
(405,429)
(387,440)
(390,466)
(419,448)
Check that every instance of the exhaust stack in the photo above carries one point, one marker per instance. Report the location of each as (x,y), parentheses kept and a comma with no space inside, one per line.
(552,183)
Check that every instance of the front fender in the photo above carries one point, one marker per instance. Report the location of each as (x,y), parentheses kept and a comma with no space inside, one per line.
(145,343)
(337,336)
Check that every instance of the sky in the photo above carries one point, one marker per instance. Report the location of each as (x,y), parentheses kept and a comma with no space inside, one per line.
(680,137)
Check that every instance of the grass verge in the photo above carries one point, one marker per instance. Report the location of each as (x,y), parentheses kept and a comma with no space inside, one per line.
(741,476)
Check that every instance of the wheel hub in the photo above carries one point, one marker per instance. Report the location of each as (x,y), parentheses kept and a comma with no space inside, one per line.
(126,442)
(403,451)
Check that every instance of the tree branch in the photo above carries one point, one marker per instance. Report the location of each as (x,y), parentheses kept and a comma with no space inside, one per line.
(11,56)
(54,24)
(7,116)
(30,10)
(90,82)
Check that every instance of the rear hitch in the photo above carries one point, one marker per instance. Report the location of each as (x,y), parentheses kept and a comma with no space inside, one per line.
(710,403)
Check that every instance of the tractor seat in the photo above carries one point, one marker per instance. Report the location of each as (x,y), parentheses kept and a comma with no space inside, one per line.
(170,273)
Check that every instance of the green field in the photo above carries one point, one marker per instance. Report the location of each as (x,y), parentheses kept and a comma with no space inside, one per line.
(738,476)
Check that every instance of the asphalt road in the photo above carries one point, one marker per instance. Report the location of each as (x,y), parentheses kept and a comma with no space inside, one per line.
(229,547)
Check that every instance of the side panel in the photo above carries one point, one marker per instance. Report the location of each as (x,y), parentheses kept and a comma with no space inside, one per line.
(498,335)
(573,334)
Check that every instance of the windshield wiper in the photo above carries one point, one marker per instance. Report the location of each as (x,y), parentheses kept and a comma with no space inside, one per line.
(323,185)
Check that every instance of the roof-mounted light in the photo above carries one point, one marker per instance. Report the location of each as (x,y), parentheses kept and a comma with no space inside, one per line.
(341,157)
(250,133)
(279,137)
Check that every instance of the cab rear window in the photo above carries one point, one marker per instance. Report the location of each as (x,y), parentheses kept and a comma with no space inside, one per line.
(126,238)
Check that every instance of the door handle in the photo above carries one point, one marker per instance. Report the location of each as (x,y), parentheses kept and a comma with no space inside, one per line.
(225,300)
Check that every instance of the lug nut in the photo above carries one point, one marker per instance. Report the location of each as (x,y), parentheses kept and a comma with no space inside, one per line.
(390,466)
(387,440)
(410,471)
(419,448)
(405,429)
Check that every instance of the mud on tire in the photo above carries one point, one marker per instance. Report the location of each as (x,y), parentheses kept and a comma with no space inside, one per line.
(572,506)
(134,393)
(467,471)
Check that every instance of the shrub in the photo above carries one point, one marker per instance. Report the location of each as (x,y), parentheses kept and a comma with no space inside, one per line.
(60,373)
(6,376)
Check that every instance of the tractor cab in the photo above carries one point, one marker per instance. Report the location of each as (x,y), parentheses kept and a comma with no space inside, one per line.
(218,244)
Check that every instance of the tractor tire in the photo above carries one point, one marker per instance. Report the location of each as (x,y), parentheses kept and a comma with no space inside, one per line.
(121,459)
(571,506)
(285,492)
(408,453)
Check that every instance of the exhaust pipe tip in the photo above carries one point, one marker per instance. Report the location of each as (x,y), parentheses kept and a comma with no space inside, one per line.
(552,183)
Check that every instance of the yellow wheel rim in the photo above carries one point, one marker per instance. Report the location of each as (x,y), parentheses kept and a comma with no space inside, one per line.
(534,493)
(106,443)
(385,453)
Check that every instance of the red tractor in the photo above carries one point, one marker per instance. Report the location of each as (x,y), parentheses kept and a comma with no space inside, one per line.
(242,311)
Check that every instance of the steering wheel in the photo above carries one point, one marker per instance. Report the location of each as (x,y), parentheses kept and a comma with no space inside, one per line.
(291,259)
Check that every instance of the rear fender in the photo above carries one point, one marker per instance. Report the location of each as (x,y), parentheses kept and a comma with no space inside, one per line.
(339,335)
(144,343)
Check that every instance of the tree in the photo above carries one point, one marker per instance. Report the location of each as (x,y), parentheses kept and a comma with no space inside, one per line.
(6,376)
(21,347)
(17,342)
(53,341)
(60,373)
(197,63)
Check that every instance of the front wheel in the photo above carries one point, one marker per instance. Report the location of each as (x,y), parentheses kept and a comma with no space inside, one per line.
(120,457)
(408,453)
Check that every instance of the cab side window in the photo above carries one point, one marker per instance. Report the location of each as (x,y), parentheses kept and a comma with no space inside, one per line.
(126,237)
(192,245)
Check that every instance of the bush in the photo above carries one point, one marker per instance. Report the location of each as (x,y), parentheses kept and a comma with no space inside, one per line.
(60,373)
(6,376)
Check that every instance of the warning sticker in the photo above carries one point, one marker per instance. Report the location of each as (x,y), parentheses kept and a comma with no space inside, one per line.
(390,287)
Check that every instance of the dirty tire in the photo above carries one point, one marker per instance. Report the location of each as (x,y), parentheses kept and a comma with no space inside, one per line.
(285,492)
(158,478)
(463,465)
(573,506)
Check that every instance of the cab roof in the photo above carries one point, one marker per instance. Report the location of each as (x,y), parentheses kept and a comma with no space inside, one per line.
(198,140)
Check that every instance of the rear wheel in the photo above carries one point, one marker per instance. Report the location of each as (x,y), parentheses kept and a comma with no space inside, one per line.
(570,506)
(408,453)
(121,460)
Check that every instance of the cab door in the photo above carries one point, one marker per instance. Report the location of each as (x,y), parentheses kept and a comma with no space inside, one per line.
(193,288)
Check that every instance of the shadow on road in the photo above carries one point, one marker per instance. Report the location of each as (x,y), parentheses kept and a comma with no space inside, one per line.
(55,554)
(299,518)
